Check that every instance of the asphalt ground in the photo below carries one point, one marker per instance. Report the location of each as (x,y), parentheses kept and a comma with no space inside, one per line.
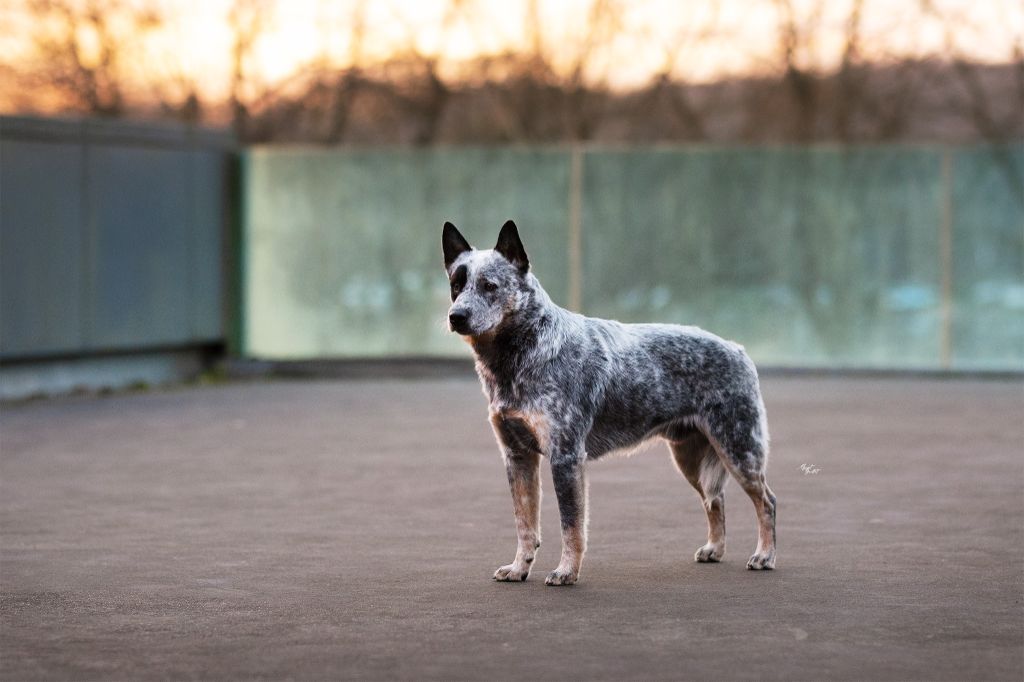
(335,530)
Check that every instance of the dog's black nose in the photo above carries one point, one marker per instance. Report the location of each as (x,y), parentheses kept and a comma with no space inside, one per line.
(459,322)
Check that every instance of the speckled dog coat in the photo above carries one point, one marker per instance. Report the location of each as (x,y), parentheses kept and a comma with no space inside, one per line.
(574,388)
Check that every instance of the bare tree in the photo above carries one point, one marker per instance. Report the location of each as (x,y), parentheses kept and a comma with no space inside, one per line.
(525,89)
(176,94)
(248,20)
(849,80)
(87,56)
(800,82)
(666,85)
(980,103)
(83,46)
(347,87)
(425,94)
(585,101)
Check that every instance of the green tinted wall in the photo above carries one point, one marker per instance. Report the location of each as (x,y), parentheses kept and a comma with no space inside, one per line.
(343,248)
(902,257)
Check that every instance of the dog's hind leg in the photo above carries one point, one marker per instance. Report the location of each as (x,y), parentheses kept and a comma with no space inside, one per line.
(702,467)
(740,438)
(761,495)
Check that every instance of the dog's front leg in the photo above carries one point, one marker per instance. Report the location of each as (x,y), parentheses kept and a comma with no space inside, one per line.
(523,469)
(568,475)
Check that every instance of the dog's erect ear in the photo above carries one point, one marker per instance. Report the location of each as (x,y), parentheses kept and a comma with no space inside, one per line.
(453,243)
(511,247)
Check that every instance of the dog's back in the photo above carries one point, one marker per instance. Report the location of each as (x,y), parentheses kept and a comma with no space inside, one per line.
(664,380)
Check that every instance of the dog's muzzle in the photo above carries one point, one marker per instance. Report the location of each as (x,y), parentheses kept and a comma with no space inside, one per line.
(459,322)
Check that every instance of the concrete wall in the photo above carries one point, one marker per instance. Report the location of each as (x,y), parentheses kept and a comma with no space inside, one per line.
(111,238)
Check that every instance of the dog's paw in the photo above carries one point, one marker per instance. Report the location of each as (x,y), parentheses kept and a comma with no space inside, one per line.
(561,576)
(512,573)
(709,553)
(762,561)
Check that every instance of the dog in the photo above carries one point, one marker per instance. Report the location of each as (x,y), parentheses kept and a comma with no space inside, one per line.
(574,389)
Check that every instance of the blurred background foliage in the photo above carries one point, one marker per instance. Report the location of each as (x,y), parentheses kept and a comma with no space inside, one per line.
(481,72)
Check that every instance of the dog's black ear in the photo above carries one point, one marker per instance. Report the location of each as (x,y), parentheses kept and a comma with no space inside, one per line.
(453,243)
(511,247)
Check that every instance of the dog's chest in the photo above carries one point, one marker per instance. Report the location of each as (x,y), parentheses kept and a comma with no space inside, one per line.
(517,416)
(522,431)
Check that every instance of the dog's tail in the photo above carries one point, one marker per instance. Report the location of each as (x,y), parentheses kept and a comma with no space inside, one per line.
(712,476)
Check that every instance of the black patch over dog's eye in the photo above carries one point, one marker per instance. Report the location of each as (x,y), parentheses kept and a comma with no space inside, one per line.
(458,281)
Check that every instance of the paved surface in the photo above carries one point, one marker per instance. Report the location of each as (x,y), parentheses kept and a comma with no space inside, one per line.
(349,530)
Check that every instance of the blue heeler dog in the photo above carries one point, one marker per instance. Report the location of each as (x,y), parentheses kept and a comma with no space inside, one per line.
(574,388)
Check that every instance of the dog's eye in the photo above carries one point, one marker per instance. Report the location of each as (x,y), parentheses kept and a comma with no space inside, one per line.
(490,286)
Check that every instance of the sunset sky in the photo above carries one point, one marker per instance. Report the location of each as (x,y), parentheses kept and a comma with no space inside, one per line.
(739,37)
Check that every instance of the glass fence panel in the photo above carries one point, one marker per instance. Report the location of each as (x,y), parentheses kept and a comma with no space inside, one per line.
(809,257)
(880,257)
(988,258)
(343,248)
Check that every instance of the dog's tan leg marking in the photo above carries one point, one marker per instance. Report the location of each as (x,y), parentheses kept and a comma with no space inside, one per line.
(522,464)
(699,463)
(764,503)
(747,465)
(754,484)
(571,489)
(574,544)
(524,482)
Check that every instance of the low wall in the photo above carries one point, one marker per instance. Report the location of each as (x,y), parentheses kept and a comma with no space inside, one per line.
(112,238)
(867,257)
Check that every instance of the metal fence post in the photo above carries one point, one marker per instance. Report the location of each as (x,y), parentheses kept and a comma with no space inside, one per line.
(575,245)
(89,228)
(946,259)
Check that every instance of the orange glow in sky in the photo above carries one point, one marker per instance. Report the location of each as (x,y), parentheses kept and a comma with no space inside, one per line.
(714,39)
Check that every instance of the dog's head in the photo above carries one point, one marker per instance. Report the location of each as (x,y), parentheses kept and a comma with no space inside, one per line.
(486,286)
